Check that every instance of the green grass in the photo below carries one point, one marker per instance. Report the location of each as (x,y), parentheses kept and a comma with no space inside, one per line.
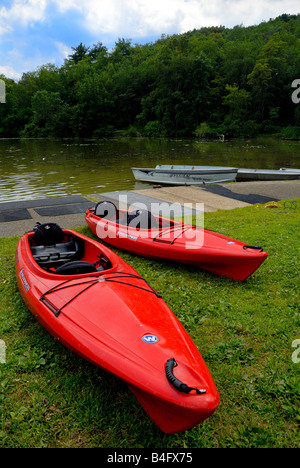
(49,397)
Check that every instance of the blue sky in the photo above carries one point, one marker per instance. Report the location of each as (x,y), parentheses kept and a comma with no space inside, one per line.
(36,32)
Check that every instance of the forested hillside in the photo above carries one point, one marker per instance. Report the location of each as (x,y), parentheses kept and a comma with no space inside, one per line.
(211,81)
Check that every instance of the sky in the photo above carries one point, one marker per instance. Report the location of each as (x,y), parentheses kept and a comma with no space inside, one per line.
(36,32)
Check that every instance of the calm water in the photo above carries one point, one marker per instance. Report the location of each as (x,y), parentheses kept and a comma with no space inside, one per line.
(31,169)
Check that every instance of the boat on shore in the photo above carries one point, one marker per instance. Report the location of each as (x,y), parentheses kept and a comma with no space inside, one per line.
(152,236)
(185,175)
(199,175)
(94,303)
(268,174)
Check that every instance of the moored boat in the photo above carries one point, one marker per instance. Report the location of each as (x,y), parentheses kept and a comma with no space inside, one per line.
(268,174)
(288,169)
(185,175)
(153,236)
(98,306)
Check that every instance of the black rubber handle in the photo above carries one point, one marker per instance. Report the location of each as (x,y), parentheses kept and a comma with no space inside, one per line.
(177,384)
(255,247)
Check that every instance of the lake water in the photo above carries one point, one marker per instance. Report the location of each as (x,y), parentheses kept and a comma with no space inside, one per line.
(31,169)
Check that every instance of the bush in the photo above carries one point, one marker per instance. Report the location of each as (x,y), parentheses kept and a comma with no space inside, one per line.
(290,133)
(152,129)
(203,131)
(104,131)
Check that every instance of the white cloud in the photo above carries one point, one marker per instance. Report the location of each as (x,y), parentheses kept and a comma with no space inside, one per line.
(65,5)
(23,12)
(63,50)
(138,18)
(9,72)
(4,28)
(141,18)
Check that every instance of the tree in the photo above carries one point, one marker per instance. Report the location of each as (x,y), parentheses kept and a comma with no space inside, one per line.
(237,100)
(49,115)
(123,49)
(268,74)
(97,49)
(237,81)
(180,92)
(260,79)
(80,52)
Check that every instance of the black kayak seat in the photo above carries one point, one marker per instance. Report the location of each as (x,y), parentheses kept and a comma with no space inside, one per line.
(55,255)
(139,219)
(48,234)
(142,219)
(51,248)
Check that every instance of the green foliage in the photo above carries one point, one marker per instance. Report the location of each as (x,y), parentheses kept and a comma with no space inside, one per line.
(237,81)
(80,53)
(152,129)
(237,100)
(49,114)
(290,133)
(204,131)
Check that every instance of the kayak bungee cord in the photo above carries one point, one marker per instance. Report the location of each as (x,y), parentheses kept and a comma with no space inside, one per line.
(91,281)
(159,238)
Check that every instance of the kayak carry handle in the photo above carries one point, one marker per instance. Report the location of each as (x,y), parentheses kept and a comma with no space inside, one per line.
(177,384)
(255,247)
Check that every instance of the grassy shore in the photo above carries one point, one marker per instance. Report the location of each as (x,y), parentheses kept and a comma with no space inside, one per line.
(49,397)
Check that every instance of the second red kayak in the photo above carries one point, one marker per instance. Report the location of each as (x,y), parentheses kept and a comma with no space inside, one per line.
(156,237)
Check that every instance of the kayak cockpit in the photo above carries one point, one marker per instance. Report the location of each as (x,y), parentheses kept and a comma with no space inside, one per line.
(56,251)
(138,219)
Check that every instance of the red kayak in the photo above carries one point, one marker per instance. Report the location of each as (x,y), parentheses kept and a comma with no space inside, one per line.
(156,237)
(98,306)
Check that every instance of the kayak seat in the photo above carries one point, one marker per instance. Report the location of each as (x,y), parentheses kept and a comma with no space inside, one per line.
(51,248)
(142,219)
(53,256)
(107,210)
(48,234)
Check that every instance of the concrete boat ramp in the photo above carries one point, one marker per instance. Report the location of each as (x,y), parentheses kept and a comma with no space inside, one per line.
(18,217)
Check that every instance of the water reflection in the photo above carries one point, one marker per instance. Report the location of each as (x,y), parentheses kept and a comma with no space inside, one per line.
(31,169)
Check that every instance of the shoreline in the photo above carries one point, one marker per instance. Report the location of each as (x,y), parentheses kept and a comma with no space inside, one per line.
(119,134)
(18,217)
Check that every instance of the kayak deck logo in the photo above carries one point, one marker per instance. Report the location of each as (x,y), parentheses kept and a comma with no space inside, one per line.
(150,339)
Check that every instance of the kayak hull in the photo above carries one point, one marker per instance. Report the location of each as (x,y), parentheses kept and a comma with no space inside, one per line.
(180,242)
(88,312)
